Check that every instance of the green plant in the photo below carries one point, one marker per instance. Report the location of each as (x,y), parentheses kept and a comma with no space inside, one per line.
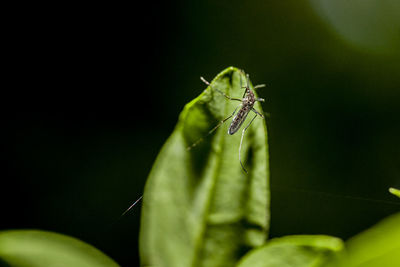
(201,209)
(33,248)
(394,191)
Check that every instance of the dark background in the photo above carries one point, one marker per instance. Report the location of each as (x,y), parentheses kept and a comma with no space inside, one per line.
(90,94)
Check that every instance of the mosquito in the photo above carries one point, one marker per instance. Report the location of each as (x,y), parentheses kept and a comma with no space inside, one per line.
(247,104)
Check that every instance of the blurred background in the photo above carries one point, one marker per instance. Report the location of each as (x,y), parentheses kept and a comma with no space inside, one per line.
(91,93)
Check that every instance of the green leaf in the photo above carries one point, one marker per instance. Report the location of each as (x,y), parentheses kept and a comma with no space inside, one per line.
(294,251)
(199,207)
(394,191)
(33,248)
(376,247)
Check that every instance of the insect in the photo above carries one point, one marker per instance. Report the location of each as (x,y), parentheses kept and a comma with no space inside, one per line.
(247,104)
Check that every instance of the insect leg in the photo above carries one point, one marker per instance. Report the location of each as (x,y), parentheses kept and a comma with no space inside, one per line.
(241,141)
(222,93)
(211,131)
(266,114)
(259,86)
(257,112)
(131,206)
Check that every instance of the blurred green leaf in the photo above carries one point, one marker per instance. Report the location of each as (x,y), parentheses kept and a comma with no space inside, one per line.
(33,248)
(294,251)
(394,191)
(199,207)
(376,247)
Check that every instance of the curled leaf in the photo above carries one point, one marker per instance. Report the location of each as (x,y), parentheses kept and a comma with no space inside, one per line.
(199,207)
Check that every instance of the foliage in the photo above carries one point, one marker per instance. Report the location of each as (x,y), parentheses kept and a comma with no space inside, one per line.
(299,251)
(394,191)
(376,247)
(33,248)
(201,209)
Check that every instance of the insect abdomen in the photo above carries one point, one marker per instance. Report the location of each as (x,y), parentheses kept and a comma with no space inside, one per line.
(238,120)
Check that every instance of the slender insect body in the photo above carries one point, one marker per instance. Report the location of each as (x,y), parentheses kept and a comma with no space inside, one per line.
(240,117)
(238,120)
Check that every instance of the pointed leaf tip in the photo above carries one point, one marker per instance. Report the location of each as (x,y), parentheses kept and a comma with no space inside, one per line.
(199,207)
